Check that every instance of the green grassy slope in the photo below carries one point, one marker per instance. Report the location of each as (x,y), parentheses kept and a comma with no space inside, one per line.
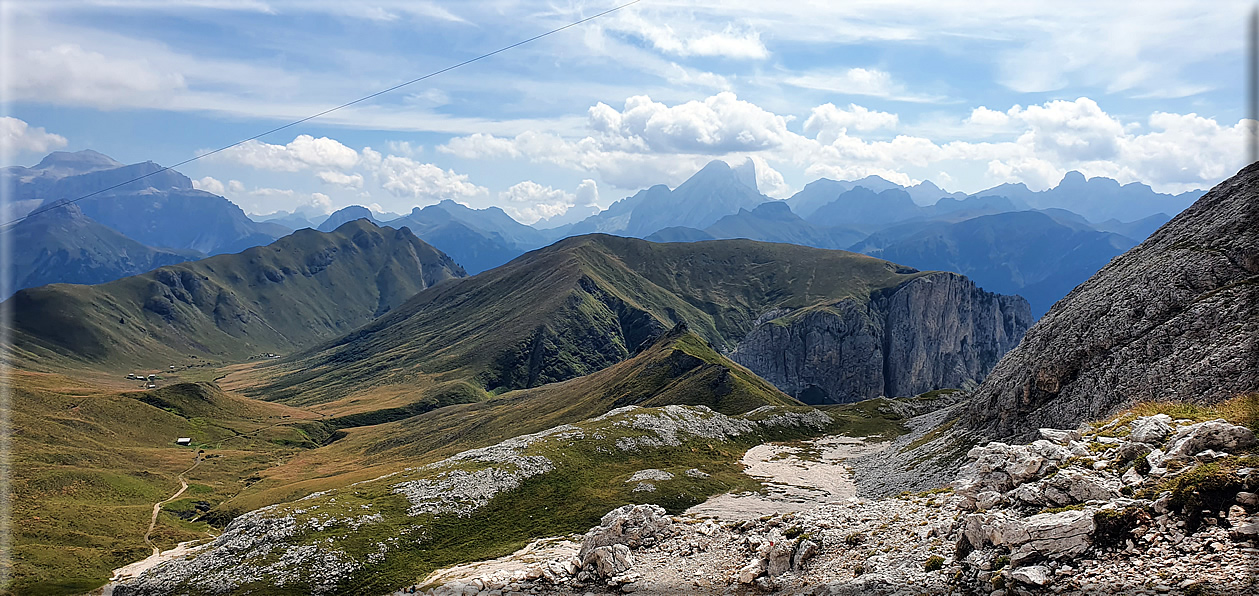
(679,368)
(570,309)
(306,287)
(88,464)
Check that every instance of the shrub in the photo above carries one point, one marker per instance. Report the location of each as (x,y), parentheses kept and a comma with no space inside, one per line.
(1112,527)
(935,563)
(854,539)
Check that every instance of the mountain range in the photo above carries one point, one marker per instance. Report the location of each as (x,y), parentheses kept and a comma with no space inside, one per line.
(920,226)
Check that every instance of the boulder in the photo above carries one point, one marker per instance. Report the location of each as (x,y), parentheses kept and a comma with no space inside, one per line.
(1152,430)
(1072,486)
(779,559)
(1035,575)
(630,525)
(1047,535)
(1216,435)
(608,561)
(751,571)
(1060,437)
(804,551)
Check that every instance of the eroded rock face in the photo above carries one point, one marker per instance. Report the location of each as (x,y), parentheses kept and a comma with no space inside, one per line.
(935,331)
(1177,318)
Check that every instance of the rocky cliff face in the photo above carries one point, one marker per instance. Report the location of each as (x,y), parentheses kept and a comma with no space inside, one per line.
(1177,317)
(932,332)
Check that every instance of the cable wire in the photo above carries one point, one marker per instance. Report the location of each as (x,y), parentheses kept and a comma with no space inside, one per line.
(327,111)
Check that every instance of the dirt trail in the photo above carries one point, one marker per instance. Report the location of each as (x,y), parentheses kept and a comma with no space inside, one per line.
(157,507)
(158,556)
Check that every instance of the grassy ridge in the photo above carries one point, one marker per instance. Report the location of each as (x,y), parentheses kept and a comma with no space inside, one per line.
(306,287)
(568,310)
(678,369)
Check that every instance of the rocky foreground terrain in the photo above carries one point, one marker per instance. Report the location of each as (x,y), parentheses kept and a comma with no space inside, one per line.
(1137,505)
(1175,318)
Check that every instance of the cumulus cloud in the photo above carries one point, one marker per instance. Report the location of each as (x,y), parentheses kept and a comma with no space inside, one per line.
(305,152)
(405,177)
(341,179)
(529,201)
(587,194)
(720,124)
(209,184)
(19,137)
(319,204)
(826,121)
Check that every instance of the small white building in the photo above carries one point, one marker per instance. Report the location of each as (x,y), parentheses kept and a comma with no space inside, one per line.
(183,441)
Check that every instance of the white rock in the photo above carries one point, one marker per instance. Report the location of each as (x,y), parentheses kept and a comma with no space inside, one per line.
(1152,430)
(1217,435)
(1035,575)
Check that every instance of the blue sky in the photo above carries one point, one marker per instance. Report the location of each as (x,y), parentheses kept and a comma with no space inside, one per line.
(966,94)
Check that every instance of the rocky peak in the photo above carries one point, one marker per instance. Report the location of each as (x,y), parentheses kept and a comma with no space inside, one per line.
(1174,318)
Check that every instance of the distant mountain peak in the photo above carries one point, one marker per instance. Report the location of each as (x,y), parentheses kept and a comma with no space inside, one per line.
(1073,178)
(774,209)
(746,173)
(67,163)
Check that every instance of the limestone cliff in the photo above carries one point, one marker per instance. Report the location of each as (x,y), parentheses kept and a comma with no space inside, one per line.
(932,332)
(1177,317)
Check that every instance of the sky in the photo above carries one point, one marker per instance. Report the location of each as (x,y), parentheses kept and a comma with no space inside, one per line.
(967,94)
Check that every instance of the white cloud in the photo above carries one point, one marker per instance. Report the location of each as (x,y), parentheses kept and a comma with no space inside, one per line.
(405,177)
(209,184)
(826,121)
(319,204)
(587,194)
(529,201)
(404,148)
(341,179)
(17,136)
(235,186)
(720,124)
(305,152)
(649,143)
(732,42)
(984,117)
(67,73)
(859,81)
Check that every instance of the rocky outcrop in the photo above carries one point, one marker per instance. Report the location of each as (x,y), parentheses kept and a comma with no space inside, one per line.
(932,332)
(1175,318)
(1085,511)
